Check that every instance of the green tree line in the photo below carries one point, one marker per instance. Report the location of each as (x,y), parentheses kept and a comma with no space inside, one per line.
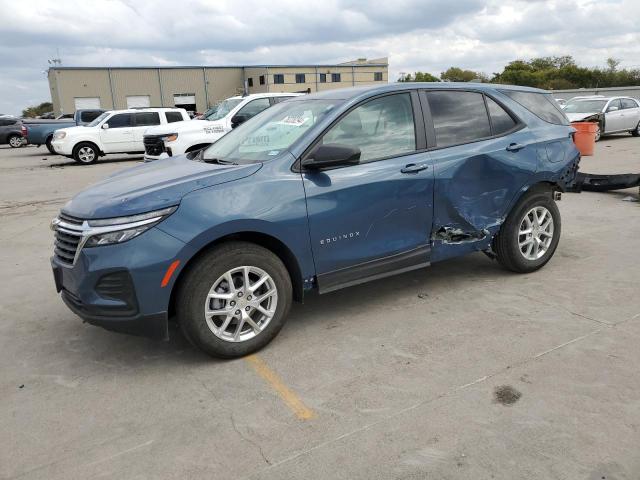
(31,112)
(544,72)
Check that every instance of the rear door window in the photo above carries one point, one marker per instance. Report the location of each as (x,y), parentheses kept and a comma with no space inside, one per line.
(628,103)
(614,105)
(380,128)
(145,119)
(501,121)
(458,117)
(542,105)
(173,117)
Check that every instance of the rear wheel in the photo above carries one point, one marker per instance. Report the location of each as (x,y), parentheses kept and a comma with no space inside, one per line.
(15,141)
(234,300)
(529,237)
(85,153)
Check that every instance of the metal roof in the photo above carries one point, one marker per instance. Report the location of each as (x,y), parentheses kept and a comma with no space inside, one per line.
(174,67)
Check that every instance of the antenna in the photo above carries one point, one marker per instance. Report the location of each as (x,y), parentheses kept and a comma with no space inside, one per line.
(57,60)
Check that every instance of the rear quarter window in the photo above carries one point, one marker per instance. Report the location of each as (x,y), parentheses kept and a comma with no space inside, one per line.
(173,117)
(542,105)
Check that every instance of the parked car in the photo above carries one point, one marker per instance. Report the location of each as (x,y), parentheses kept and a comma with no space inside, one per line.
(40,132)
(11,132)
(316,193)
(117,131)
(183,137)
(614,114)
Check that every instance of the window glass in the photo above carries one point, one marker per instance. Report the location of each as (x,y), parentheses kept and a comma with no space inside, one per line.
(250,82)
(121,120)
(254,107)
(584,106)
(615,104)
(89,116)
(335,77)
(173,117)
(300,78)
(223,109)
(380,128)
(144,119)
(541,105)
(6,123)
(99,119)
(278,78)
(458,117)
(271,133)
(501,121)
(280,99)
(377,76)
(323,78)
(261,79)
(628,103)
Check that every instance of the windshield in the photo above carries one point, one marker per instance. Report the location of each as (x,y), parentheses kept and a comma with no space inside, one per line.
(102,116)
(585,106)
(222,109)
(269,133)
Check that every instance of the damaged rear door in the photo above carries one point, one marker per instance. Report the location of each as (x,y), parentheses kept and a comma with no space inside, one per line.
(482,158)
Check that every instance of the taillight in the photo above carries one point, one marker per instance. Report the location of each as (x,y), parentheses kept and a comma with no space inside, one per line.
(23,131)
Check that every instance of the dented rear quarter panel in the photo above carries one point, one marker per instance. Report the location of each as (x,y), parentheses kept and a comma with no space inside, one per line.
(478,184)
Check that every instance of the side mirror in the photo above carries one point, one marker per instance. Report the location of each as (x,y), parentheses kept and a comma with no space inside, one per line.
(105,126)
(612,109)
(331,155)
(237,120)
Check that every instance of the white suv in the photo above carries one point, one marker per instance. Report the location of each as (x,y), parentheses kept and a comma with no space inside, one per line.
(183,137)
(116,131)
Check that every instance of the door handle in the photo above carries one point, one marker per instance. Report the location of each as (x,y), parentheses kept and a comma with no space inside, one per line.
(514,147)
(414,167)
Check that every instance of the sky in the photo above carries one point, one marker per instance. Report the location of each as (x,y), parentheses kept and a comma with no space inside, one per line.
(416,35)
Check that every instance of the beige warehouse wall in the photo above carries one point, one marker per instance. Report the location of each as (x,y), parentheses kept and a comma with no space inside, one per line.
(53,89)
(82,83)
(255,72)
(128,82)
(222,83)
(183,80)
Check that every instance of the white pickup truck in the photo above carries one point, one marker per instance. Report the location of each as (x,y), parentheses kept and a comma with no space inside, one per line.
(183,137)
(115,131)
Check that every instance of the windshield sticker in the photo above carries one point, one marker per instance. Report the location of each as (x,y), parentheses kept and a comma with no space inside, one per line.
(293,120)
(256,140)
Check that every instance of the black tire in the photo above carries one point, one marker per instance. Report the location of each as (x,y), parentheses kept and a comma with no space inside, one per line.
(79,153)
(49,146)
(598,134)
(199,279)
(505,243)
(15,141)
(636,132)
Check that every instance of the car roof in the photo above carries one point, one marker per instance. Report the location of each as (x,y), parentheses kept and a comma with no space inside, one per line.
(267,94)
(147,109)
(355,92)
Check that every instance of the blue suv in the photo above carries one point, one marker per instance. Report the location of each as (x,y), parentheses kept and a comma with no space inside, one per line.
(316,193)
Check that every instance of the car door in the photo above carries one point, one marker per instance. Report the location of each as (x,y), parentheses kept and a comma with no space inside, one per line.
(143,120)
(482,158)
(614,117)
(118,137)
(372,219)
(631,113)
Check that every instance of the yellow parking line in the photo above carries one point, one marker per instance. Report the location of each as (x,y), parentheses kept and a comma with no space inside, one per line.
(272,378)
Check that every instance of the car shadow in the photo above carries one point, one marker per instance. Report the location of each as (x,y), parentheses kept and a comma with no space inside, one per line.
(73,163)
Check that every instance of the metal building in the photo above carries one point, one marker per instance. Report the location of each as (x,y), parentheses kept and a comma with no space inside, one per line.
(197,88)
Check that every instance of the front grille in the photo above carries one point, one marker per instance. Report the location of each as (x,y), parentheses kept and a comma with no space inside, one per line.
(68,235)
(153,145)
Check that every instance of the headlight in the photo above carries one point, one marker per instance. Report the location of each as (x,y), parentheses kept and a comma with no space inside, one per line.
(171,137)
(117,230)
(59,135)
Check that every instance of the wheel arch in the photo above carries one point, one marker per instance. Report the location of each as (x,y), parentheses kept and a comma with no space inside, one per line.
(264,240)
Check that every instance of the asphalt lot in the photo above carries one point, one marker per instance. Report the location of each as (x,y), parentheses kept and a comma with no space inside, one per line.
(392,379)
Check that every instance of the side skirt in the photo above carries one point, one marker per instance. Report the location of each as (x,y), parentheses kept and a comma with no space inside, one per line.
(374,269)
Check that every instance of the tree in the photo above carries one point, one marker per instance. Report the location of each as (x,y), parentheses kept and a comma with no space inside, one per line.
(34,111)
(456,74)
(419,77)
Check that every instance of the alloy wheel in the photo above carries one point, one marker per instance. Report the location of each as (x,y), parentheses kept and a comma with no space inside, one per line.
(535,233)
(15,142)
(241,303)
(86,154)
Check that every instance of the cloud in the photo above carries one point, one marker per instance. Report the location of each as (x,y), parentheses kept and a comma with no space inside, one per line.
(425,35)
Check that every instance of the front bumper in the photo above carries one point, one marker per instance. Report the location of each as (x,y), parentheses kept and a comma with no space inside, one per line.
(118,287)
(153,158)
(61,147)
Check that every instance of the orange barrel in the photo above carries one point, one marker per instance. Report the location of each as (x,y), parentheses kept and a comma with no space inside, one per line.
(585,137)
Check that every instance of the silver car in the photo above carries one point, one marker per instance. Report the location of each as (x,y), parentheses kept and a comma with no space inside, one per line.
(614,114)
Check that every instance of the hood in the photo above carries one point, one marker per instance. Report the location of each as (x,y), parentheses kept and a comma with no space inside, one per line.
(175,127)
(576,117)
(151,186)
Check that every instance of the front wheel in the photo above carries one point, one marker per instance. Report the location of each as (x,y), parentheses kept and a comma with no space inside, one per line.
(529,237)
(636,132)
(598,134)
(49,146)
(234,300)
(85,153)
